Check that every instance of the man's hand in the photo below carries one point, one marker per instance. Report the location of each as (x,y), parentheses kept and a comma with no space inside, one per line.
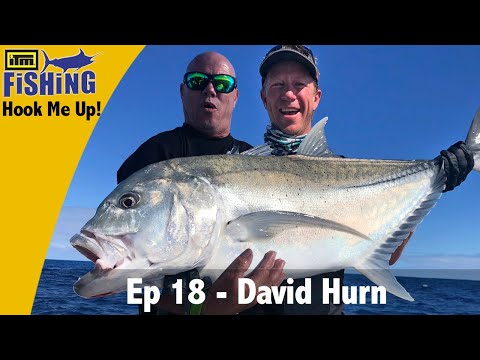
(458,162)
(269,272)
(396,254)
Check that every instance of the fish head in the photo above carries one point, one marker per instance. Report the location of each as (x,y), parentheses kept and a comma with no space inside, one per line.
(148,229)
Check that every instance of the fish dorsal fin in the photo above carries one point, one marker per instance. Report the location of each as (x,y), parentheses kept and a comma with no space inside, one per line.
(266,224)
(261,150)
(315,143)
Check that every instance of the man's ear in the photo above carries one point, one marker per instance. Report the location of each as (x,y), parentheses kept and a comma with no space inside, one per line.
(237,94)
(264,98)
(316,101)
(181,90)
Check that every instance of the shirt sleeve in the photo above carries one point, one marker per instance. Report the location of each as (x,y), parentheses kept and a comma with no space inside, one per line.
(148,153)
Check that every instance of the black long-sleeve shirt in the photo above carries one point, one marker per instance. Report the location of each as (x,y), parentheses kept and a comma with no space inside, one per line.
(182,141)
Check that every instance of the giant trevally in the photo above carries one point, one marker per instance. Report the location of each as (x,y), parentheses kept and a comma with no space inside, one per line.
(319,212)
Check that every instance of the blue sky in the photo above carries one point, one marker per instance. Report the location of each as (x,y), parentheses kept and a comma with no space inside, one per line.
(383,102)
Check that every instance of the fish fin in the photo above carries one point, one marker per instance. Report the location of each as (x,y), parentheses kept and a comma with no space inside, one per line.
(262,150)
(473,140)
(47,61)
(375,267)
(266,224)
(315,143)
(378,271)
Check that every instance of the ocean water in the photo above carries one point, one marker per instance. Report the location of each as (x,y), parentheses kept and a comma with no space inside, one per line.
(432,296)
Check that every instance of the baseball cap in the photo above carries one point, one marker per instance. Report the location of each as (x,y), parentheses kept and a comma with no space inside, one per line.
(299,53)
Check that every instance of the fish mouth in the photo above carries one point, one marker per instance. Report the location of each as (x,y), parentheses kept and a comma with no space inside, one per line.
(114,263)
(106,252)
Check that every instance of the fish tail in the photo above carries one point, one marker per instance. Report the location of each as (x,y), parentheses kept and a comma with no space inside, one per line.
(473,140)
(47,61)
(379,272)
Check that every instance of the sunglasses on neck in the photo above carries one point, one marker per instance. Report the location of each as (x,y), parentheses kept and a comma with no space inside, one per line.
(222,83)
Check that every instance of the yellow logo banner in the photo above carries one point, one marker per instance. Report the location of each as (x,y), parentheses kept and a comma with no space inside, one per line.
(52,98)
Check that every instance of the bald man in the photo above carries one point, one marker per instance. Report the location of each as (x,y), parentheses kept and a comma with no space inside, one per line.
(209,94)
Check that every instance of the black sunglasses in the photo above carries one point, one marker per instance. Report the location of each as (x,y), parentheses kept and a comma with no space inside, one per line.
(222,83)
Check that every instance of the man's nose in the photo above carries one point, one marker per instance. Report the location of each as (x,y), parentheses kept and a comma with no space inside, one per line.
(209,89)
(289,95)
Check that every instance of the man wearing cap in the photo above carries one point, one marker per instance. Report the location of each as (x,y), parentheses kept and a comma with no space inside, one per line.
(290,94)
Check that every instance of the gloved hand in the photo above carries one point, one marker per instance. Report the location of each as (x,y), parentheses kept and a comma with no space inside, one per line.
(458,162)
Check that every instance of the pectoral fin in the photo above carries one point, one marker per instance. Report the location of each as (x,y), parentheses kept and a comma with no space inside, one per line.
(267,224)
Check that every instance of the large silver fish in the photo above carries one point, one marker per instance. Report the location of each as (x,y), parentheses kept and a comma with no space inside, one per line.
(320,213)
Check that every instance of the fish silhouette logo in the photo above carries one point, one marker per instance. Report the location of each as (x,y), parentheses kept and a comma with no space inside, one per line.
(71,62)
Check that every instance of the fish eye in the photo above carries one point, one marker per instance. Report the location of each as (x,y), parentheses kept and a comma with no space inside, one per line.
(129,200)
